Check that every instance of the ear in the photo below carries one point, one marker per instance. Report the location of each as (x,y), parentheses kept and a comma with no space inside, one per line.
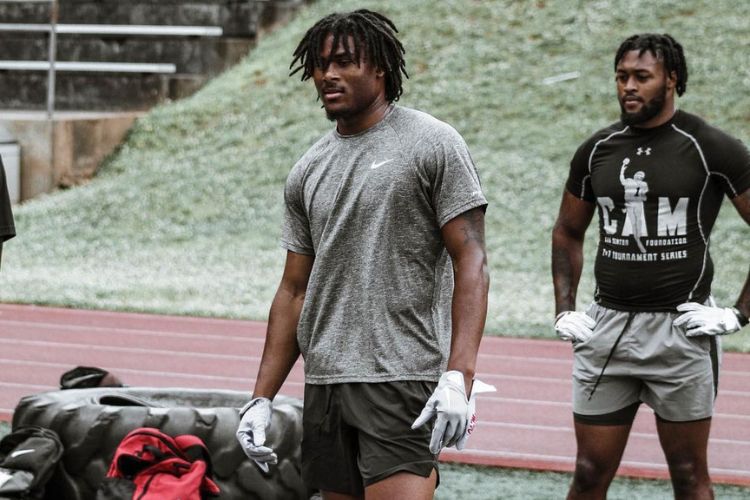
(672,80)
(379,73)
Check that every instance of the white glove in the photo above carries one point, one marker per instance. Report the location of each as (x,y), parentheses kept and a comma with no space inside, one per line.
(450,405)
(574,326)
(697,319)
(478,387)
(251,433)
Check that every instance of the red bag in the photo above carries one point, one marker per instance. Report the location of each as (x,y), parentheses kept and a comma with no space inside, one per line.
(151,465)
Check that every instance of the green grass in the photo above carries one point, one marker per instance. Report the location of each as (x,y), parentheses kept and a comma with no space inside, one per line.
(484,483)
(185,217)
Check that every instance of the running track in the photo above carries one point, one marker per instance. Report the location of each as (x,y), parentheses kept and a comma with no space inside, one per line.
(527,423)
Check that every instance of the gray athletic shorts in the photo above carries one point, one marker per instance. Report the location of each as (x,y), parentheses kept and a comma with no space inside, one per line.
(354,435)
(641,357)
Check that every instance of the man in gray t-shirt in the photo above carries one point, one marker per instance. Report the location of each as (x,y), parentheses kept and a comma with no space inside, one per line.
(384,291)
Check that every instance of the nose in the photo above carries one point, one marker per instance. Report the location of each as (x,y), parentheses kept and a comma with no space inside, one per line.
(631,84)
(330,73)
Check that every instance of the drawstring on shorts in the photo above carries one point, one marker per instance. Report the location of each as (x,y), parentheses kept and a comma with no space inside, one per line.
(609,356)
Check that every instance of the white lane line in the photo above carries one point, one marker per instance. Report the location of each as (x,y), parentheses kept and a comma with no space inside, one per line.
(571,460)
(534,402)
(29,386)
(546,380)
(530,359)
(123,316)
(154,353)
(569,430)
(741,394)
(54,388)
(134,331)
(512,454)
(120,370)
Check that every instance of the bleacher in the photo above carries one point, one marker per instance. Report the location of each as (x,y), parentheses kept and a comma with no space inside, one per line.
(111,60)
(117,55)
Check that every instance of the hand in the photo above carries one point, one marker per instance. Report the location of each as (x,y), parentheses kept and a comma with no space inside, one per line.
(451,407)
(697,319)
(574,326)
(478,387)
(251,433)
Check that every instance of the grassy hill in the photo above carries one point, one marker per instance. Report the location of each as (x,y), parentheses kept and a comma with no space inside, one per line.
(185,217)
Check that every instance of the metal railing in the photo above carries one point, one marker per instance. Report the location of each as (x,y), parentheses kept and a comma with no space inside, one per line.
(117,29)
(53,28)
(52,66)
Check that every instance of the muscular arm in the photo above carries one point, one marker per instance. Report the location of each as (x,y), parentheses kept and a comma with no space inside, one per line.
(464,240)
(281,350)
(567,249)
(742,204)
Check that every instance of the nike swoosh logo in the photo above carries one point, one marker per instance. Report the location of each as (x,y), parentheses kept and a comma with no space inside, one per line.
(380,164)
(18,453)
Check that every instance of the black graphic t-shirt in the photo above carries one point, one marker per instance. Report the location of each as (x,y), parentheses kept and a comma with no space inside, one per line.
(658,192)
(7,229)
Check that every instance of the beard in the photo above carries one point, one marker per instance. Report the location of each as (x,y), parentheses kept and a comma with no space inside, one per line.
(344,113)
(334,115)
(649,110)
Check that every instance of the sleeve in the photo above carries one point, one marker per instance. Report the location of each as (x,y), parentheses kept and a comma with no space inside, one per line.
(454,181)
(7,228)
(579,177)
(729,162)
(295,231)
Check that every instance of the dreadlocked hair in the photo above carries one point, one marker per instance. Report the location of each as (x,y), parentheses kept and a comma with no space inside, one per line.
(374,37)
(663,47)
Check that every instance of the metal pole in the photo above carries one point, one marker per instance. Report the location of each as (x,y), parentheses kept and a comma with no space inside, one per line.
(52,56)
(51,86)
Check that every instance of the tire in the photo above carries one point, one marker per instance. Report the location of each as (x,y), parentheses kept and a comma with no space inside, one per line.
(91,423)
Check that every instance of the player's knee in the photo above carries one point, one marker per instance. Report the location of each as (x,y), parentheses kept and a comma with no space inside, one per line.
(687,473)
(590,475)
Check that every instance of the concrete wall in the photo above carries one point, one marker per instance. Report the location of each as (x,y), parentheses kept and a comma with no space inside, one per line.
(81,142)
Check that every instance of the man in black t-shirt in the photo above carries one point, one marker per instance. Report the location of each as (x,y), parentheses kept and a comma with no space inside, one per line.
(7,229)
(657,178)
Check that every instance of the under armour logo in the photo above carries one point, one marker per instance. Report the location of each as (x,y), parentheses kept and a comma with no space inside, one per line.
(642,151)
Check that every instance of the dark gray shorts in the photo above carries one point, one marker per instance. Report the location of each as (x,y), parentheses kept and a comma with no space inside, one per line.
(359,433)
(643,357)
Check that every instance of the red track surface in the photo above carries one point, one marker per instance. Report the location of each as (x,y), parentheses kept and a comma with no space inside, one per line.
(526,423)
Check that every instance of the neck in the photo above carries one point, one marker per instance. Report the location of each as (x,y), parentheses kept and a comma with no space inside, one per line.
(663,117)
(365,119)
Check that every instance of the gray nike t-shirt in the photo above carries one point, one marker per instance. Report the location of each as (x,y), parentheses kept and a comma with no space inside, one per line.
(369,207)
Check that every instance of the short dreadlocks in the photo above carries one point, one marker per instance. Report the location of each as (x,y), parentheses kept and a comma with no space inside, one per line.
(664,48)
(374,37)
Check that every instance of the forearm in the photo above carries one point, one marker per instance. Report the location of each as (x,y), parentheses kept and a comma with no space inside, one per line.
(469,312)
(281,350)
(743,302)
(742,204)
(567,264)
